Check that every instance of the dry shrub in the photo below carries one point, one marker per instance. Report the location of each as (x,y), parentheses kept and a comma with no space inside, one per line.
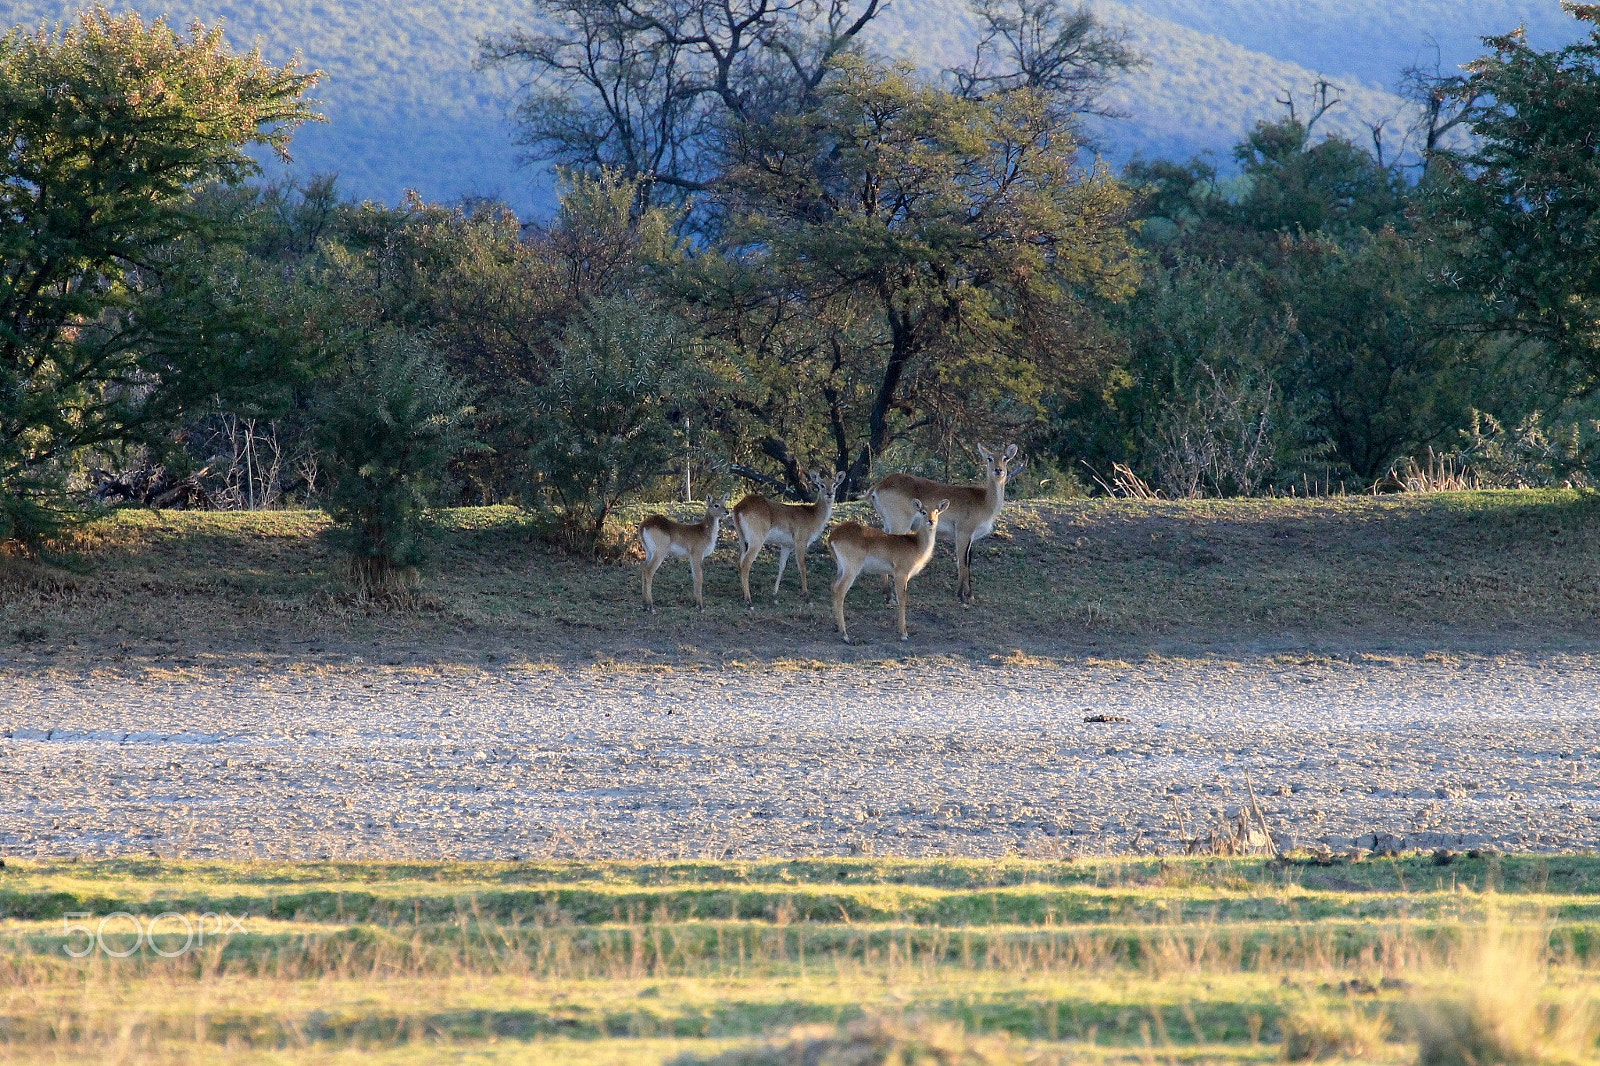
(1311,1034)
(1506,1015)
(872,1042)
(1441,473)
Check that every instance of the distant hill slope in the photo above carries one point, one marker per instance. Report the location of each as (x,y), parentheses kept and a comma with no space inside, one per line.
(407,109)
(1370,40)
(1197,93)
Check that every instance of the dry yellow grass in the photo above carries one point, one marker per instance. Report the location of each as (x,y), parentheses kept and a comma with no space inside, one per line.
(1503,1010)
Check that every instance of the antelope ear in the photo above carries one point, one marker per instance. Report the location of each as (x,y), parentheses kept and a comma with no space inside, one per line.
(1011,453)
(917,504)
(985,453)
(944,505)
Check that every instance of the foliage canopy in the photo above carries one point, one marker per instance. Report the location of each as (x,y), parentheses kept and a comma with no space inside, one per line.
(111,125)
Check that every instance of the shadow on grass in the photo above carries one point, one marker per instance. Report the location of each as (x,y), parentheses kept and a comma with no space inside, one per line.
(1496,571)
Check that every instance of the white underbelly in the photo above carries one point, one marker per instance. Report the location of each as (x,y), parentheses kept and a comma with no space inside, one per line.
(948,532)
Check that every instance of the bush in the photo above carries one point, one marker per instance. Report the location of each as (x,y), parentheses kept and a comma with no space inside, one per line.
(604,426)
(1532,454)
(1310,1035)
(1507,1015)
(387,432)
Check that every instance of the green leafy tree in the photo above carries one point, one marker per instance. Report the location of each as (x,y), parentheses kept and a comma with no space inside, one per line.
(1326,350)
(387,430)
(1370,364)
(1290,183)
(492,297)
(109,126)
(1517,212)
(1319,233)
(604,427)
(1330,186)
(953,247)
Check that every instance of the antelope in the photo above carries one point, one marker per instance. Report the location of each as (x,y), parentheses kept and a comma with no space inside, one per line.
(664,538)
(973,508)
(901,556)
(791,526)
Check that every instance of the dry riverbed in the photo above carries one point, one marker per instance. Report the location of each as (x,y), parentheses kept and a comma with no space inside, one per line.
(944,758)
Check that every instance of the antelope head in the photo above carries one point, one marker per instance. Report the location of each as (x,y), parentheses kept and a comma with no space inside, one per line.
(999,468)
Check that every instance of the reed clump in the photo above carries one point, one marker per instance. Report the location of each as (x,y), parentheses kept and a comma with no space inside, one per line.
(1507,1013)
(1314,1033)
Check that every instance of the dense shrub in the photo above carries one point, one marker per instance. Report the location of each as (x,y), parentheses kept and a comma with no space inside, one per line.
(603,428)
(387,430)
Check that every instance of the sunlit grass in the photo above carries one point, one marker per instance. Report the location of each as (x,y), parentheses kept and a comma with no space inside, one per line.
(1204,960)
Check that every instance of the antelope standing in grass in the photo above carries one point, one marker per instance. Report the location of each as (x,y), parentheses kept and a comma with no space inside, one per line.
(901,556)
(793,527)
(973,508)
(664,538)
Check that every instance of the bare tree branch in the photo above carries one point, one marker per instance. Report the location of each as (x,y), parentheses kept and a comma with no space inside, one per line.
(647,87)
(1069,56)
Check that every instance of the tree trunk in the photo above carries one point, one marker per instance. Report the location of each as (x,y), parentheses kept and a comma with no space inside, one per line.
(779,452)
(902,348)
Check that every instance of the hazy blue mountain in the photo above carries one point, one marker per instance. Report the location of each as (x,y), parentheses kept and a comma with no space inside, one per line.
(1369,40)
(1197,92)
(408,109)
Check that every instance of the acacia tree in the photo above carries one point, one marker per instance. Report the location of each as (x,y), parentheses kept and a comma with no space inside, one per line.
(1517,211)
(648,88)
(949,245)
(109,126)
(1068,57)
(881,260)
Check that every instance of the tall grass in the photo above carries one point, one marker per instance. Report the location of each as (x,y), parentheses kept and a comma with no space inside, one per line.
(1505,1010)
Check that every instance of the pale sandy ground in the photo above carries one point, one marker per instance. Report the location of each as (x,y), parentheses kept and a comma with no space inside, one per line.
(945,758)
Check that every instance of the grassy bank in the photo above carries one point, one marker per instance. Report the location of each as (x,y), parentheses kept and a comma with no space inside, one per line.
(1171,961)
(1449,571)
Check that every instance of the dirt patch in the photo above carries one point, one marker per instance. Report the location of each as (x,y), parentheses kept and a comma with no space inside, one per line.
(945,758)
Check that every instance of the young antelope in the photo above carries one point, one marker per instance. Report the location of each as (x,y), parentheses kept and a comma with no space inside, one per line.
(663,538)
(902,556)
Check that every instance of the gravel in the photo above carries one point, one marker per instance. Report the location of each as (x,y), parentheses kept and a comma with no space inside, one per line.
(303,761)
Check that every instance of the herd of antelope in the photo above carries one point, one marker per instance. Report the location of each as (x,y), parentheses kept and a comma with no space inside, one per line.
(900,550)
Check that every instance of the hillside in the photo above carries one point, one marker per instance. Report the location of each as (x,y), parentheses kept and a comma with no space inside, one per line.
(1197,93)
(1368,41)
(407,109)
